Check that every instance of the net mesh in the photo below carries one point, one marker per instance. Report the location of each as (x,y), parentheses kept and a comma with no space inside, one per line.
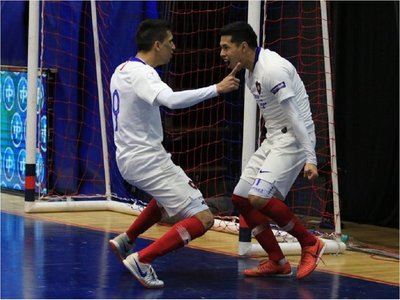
(75,162)
(294,30)
(76,123)
(205,140)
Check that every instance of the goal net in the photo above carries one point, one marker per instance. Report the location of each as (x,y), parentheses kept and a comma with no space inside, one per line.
(298,30)
(205,140)
(80,175)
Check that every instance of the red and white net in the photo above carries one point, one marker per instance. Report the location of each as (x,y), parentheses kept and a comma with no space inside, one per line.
(205,140)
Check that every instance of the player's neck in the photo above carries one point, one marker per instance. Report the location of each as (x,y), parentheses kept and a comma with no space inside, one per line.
(249,61)
(147,58)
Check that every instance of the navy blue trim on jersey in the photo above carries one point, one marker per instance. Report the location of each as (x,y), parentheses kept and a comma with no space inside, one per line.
(136,59)
(258,49)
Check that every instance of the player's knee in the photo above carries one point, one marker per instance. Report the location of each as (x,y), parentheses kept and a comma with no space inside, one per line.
(209,223)
(257,202)
(240,202)
(207,219)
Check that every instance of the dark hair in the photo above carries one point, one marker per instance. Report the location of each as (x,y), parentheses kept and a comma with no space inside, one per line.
(149,31)
(240,32)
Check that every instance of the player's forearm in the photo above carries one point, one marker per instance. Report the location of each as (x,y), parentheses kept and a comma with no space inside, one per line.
(183,99)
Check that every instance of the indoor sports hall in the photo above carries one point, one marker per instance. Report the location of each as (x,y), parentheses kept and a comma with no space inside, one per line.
(63,197)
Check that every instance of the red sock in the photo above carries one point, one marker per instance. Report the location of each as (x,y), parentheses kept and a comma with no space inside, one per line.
(263,232)
(252,216)
(267,240)
(178,236)
(147,218)
(283,216)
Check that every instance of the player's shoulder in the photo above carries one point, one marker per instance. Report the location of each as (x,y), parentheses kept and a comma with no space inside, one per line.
(131,70)
(268,63)
(275,63)
(272,58)
(132,66)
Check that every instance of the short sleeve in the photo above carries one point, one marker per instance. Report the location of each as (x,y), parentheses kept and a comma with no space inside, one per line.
(147,84)
(280,84)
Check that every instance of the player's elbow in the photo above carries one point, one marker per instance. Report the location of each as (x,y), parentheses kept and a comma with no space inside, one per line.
(171,105)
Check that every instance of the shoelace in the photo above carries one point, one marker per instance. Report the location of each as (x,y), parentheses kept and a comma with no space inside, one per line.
(128,247)
(264,264)
(304,254)
(153,273)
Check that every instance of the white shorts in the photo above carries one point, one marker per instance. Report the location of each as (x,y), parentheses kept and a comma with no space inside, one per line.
(278,163)
(172,189)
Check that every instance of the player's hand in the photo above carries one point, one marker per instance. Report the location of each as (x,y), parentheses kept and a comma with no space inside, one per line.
(310,171)
(230,83)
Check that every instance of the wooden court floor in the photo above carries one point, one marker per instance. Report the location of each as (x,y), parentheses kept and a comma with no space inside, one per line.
(65,255)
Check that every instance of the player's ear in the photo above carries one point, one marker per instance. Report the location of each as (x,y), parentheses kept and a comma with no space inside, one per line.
(157,45)
(244,46)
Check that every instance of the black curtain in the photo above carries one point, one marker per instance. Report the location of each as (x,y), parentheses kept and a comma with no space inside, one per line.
(366,54)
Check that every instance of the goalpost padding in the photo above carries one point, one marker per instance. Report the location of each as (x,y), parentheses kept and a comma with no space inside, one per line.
(71,205)
(290,248)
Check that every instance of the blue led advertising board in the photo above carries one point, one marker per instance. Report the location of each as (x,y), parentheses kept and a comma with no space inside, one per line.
(14,92)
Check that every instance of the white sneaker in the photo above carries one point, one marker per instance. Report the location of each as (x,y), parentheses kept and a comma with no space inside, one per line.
(121,246)
(143,272)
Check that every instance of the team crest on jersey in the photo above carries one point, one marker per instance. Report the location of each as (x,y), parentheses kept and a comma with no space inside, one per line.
(279,86)
(258,87)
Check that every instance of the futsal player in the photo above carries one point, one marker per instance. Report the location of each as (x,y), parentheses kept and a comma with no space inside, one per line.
(288,148)
(137,94)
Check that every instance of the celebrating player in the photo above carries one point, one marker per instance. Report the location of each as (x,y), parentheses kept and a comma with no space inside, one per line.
(288,147)
(137,94)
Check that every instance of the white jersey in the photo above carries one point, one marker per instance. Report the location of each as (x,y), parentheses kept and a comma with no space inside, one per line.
(273,80)
(138,132)
(283,101)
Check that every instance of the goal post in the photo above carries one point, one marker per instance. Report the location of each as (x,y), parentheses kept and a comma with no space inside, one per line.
(33,54)
(331,122)
(101,99)
(249,127)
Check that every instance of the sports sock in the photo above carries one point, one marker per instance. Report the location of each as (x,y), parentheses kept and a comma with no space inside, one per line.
(283,216)
(178,236)
(261,229)
(147,218)
(266,239)
(252,216)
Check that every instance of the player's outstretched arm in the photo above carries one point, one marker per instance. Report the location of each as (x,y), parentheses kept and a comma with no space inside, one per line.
(183,99)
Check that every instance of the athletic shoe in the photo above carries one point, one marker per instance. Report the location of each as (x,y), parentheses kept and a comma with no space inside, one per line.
(143,272)
(269,268)
(121,246)
(310,257)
